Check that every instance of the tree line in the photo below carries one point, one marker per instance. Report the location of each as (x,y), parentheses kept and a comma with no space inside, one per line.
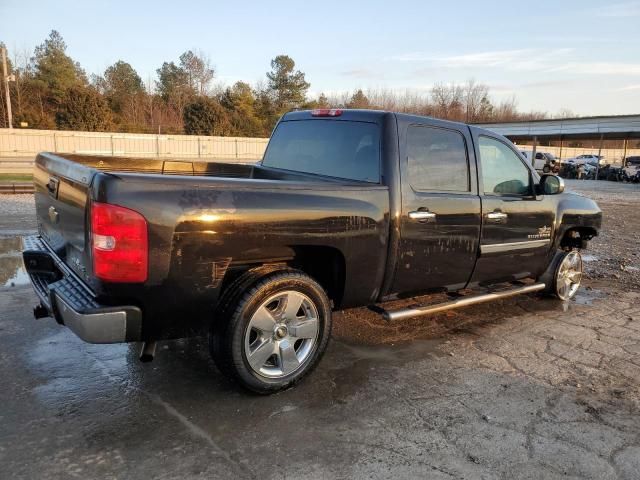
(52,91)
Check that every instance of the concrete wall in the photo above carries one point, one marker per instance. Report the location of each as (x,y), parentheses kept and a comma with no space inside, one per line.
(18,147)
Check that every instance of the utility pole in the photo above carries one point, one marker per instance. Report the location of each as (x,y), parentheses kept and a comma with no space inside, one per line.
(533,152)
(6,79)
(599,155)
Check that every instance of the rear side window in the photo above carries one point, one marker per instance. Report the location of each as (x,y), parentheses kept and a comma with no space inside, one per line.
(437,159)
(336,148)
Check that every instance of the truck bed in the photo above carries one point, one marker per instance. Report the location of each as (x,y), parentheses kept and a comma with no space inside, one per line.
(157,166)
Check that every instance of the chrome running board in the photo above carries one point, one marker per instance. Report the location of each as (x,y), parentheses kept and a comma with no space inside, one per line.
(405,313)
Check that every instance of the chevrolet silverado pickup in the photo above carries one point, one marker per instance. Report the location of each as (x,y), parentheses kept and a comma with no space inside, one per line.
(347,208)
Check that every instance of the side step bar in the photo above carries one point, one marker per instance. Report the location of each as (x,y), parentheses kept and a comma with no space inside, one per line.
(405,313)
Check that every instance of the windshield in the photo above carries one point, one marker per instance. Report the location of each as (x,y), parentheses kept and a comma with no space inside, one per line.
(335,148)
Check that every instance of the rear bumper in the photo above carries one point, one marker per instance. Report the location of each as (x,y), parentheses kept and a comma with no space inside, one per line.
(72,303)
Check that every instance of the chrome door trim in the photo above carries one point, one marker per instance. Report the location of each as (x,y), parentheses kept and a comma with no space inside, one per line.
(513,246)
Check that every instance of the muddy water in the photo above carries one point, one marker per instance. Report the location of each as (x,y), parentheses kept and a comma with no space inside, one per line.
(12,271)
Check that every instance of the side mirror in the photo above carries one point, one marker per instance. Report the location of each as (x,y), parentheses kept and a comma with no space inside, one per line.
(551,184)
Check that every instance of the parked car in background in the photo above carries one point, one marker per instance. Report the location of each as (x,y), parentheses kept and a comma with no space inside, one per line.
(631,168)
(544,161)
(587,158)
(632,161)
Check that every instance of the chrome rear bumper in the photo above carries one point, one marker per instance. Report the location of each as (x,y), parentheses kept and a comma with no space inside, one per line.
(71,303)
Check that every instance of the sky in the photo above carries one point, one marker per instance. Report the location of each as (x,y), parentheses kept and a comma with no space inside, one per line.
(583,56)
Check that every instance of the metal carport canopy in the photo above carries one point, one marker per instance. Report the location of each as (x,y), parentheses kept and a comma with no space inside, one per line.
(611,127)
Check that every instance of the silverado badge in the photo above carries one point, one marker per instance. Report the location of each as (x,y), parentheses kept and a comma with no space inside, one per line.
(543,232)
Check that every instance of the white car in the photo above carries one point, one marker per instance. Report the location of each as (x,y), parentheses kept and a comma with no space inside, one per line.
(544,161)
(588,159)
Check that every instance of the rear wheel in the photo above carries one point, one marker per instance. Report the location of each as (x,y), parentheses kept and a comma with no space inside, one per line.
(274,332)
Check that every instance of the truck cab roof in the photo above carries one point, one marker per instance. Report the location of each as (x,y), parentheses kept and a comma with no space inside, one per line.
(377,116)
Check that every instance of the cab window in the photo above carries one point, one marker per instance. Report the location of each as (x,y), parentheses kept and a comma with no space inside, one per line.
(503,173)
(437,159)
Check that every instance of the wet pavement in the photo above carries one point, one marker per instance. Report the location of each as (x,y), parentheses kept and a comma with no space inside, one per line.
(12,271)
(523,388)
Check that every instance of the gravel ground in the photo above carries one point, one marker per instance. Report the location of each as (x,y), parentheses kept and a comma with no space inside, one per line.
(615,253)
(526,388)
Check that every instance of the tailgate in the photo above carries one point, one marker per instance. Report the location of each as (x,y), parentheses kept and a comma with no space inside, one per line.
(61,197)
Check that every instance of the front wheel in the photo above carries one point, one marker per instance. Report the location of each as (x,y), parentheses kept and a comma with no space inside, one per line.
(274,333)
(568,276)
(564,275)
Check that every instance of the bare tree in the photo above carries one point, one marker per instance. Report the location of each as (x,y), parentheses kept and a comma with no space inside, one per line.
(565,113)
(448,101)
(199,70)
(475,100)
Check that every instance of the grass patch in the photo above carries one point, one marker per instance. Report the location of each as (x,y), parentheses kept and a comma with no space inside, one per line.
(15,177)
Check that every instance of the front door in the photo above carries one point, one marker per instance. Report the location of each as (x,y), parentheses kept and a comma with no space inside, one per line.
(440,224)
(517,225)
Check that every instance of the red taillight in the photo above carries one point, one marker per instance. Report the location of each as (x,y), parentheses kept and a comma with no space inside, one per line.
(118,243)
(326,112)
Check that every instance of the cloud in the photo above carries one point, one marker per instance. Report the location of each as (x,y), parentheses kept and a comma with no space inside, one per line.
(485,59)
(628,88)
(523,60)
(618,10)
(358,73)
(547,83)
(528,59)
(599,68)
(498,57)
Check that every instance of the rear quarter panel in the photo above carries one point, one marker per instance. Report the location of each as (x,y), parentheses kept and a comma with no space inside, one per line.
(200,228)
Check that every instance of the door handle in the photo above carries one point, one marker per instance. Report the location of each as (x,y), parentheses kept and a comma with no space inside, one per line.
(497,216)
(424,216)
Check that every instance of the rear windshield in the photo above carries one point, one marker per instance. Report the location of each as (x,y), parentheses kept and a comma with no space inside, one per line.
(336,148)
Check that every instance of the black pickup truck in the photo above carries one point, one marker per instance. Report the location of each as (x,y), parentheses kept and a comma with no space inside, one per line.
(347,208)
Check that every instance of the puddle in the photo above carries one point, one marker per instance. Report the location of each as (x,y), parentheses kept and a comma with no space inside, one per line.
(12,271)
(586,296)
(588,257)
(402,353)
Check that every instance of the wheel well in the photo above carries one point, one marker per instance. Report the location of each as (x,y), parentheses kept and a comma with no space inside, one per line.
(326,265)
(577,237)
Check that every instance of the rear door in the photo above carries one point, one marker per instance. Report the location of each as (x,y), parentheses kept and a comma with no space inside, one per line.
(517,225)
(440,223)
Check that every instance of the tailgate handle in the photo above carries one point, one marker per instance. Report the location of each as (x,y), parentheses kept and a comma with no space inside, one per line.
(52,186)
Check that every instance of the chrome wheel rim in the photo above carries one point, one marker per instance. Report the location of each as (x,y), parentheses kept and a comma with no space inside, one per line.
(281,334)
(569,275)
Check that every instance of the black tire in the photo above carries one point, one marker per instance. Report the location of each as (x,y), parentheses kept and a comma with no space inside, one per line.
(548,277)
(230,297)
(238,306)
